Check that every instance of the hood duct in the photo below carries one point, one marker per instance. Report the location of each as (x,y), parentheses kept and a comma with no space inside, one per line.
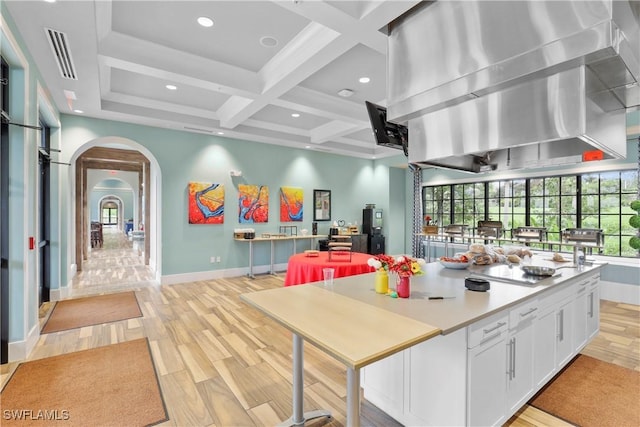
(505,85)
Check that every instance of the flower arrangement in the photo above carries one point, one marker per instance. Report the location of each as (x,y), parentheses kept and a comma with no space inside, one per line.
(406,266)
(381,262)
(427,220)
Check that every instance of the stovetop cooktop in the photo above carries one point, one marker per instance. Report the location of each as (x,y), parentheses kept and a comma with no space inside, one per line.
(508,273)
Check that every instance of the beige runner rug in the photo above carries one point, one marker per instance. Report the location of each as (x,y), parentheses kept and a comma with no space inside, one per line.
(114,385)
(88,311)
(590,392)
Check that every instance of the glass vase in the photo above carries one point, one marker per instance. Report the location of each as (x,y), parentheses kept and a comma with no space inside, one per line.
(403,287)
(382,281)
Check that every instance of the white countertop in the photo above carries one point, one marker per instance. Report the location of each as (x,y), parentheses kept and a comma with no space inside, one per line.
(450,314)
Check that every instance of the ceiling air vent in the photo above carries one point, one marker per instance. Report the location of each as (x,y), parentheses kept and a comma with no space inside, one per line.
(62,53)
(198,129)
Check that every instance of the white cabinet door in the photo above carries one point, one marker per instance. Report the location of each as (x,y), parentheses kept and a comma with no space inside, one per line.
(487,382)
(520,365)
(564,337)
(593,311)
(383,383)
(487,370)
(580,315)
(544,347)
(435,384)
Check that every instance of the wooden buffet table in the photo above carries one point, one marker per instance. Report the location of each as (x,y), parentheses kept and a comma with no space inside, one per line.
(353,332)
(306,269)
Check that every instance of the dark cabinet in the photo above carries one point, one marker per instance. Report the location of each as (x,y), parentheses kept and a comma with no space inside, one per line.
(376,244)
(359,243)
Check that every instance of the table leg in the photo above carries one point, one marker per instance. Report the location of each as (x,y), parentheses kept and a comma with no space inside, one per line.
(353,397)
(299,417)
(251,260)
(272,270)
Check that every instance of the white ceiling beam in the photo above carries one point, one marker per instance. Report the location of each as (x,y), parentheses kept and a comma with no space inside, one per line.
(330,131)
(142,57)
(345,24)
(311,50)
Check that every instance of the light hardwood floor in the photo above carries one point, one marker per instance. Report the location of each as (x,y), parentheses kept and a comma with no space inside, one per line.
(222,363)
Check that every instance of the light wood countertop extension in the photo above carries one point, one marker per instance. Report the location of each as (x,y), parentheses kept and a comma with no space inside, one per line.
(354,332)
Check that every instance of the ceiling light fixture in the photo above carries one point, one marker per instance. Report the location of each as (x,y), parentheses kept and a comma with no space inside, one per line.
(220,133)
(78,111)
(296,115)
(171,87)
(364,80)
(345,93)
(205,22)
(268,41)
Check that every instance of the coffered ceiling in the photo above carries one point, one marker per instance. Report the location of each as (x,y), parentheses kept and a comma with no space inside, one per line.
(248,76)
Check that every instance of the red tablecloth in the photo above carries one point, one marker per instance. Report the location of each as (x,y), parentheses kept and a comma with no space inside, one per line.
(304,269)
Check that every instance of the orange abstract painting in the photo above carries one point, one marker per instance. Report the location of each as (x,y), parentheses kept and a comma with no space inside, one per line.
(253,203)
(206,203)
(291,204)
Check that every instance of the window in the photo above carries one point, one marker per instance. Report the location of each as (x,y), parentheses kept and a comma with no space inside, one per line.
(109,214)
(593,200)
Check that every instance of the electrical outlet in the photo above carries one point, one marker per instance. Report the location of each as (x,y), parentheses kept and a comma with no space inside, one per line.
(212,259)
(218,259)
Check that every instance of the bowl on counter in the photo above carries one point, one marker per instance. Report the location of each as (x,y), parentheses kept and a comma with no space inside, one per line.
(454,263)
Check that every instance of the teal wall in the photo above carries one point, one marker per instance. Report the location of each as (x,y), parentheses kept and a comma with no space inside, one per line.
(184,157)
(27,102)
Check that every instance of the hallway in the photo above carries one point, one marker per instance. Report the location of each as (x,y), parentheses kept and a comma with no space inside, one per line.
(117,265)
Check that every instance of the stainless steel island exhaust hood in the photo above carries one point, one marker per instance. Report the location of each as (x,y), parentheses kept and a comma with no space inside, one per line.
(499,85)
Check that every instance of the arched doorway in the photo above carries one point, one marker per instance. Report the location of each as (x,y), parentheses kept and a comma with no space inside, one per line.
(118,154)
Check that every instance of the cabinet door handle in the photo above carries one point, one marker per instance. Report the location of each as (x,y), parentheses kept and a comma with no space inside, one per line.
(528,312)
(510,359)
(499,325)
(591,304)
(561,325)
(513,355)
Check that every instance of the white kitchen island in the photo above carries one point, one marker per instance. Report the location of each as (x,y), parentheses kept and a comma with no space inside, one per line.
(497,348)
(492,350)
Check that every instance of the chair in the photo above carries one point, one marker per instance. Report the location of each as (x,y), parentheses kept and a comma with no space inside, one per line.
(96,234)
(338,249)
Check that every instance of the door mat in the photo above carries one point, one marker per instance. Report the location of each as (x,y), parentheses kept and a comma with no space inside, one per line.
(114,385)
(88,311)
(590,392)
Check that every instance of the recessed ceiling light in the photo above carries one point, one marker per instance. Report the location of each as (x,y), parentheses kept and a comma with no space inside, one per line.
(220,133)
(268,41)
(296,115)
(364,80)
(307,146)
(205,22)
(171,87)
(50,1)
(78,111)
(345,93)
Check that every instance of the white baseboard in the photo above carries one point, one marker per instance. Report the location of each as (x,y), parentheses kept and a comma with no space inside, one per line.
(173,279)
(20,350)
(60,294)
(620,292)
